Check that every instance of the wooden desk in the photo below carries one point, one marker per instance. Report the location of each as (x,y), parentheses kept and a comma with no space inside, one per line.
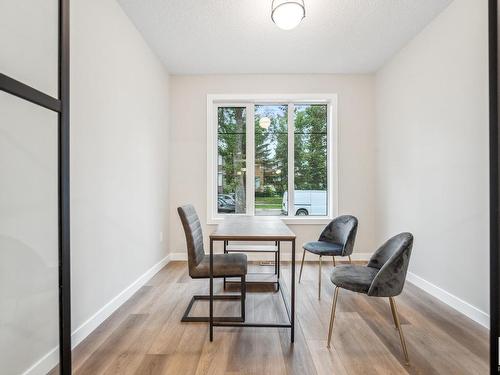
(254,228)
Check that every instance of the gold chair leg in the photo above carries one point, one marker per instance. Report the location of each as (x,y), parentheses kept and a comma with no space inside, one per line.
(302,264)
(393,313)
(398,325)
(319,278)
(332,316)
(350,261)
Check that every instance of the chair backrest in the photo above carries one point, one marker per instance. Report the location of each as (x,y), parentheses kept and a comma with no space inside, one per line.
(341,230)
(194,235)
(392,259)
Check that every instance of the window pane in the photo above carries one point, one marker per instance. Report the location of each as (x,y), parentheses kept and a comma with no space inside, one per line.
(271,158)
(231,168)
(29,319)
(29,42)
(311,177)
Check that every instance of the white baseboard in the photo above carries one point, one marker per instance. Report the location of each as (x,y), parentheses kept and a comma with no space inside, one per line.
(451,300)
(361,256)
(100,316)
(255,257)
(44,364)
(50,360)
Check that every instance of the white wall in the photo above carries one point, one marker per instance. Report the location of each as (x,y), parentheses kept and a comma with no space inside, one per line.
(119,143)
(432,154)
(188,132)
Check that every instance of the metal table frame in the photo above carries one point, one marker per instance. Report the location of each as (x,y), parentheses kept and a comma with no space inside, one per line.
(277,269)
(289,309)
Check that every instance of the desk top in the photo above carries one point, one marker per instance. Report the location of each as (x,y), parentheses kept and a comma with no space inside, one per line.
(252,228)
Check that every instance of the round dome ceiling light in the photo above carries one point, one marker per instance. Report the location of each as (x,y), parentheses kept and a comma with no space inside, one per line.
(264,122)
(287,14)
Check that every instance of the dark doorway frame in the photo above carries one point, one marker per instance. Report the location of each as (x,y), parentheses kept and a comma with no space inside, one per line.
(493,18)
(61,106)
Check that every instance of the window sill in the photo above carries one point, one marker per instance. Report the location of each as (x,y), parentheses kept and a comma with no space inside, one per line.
(307,220)
(287,220)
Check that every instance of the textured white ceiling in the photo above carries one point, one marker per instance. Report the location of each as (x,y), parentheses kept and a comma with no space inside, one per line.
(238,36)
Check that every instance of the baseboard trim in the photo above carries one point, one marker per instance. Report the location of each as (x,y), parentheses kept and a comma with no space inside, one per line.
(255,257)
(101,315)
(451,300)
(45,364)
(50,360)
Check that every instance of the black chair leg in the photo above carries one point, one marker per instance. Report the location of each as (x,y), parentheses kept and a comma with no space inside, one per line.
(237,319)
(187,318)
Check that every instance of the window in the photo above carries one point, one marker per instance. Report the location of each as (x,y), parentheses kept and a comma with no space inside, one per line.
(231,156)
(310,160)
(271,158)
(262,147)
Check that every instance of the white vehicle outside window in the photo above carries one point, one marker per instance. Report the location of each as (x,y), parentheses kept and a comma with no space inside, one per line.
(307,203)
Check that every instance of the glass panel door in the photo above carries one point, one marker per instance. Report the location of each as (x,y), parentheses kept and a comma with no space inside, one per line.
(35,308)
(29,324)
(29,43)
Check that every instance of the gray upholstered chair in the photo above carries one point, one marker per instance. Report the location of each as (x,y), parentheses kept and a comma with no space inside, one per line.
(337,239)
(384,276)
(224,265)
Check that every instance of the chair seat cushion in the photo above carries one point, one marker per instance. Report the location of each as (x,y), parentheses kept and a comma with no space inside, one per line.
(225,265)
(323,248)
(353,277)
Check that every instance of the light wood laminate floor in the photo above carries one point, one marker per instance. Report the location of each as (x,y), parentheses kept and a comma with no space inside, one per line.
(145,335)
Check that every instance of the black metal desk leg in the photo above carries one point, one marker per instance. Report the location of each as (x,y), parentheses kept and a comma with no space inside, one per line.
(279,265)
(276,258)
(225,252)
(211,323)
(292,313)
(243,291)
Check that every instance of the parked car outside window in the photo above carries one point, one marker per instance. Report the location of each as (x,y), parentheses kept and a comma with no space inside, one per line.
(225,206)
(307,202)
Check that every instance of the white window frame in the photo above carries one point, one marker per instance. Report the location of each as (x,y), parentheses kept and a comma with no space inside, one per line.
(249,101)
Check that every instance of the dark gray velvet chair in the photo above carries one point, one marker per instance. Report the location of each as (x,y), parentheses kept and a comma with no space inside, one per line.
(384,276)
(337,239)
(224,265)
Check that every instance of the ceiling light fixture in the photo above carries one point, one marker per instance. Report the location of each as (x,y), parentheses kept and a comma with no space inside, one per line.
(287,14)
(264,122)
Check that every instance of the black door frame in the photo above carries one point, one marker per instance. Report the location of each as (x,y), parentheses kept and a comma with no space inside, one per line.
(494,184)
(61,106)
